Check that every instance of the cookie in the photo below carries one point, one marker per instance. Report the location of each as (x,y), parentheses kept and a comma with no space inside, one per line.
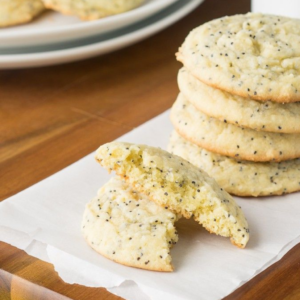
(91,9)
(128,228)
(14,12)
(175,184)
(240,177)
(254,56)
(230,140)
(265,116)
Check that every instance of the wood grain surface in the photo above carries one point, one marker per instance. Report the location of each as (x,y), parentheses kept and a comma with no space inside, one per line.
(51,117)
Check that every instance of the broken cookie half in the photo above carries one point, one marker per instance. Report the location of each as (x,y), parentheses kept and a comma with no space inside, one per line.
(128,228)
(175,184)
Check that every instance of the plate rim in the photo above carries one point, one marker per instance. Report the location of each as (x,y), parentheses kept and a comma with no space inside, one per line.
(84,25)
(47,58)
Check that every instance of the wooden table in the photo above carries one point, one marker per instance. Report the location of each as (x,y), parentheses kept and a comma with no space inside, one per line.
(60,114)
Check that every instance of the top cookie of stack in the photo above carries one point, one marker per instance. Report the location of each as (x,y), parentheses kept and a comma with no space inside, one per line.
(238,103)
(250,55)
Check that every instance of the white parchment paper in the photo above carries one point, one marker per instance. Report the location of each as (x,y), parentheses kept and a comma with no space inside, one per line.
(44,220)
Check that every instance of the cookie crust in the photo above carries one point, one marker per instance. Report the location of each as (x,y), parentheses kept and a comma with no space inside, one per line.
(240,177)
(254,56)
(245,112)
(14,12)
(128,228)
(230,140)
(92,9)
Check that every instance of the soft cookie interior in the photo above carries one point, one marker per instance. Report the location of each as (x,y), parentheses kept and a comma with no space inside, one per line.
(177,185)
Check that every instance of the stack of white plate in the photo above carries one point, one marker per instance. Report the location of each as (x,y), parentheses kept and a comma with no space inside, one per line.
(54,38)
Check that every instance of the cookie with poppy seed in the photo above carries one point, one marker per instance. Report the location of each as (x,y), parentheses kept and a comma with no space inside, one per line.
(253,55)
(245,112)
(175,184)
(14,12)
(92,9)
(240,177)
(126,227)
(230,140)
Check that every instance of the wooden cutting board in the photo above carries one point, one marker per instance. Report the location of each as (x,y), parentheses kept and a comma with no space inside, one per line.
(67,111)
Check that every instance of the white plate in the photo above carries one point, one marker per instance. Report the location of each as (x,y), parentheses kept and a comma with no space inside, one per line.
(102,44)
(53,27)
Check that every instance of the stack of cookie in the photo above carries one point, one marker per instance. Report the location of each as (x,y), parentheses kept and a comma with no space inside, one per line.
(237,116)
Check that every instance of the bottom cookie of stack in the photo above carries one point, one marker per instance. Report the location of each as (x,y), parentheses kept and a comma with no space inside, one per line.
(240,177)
